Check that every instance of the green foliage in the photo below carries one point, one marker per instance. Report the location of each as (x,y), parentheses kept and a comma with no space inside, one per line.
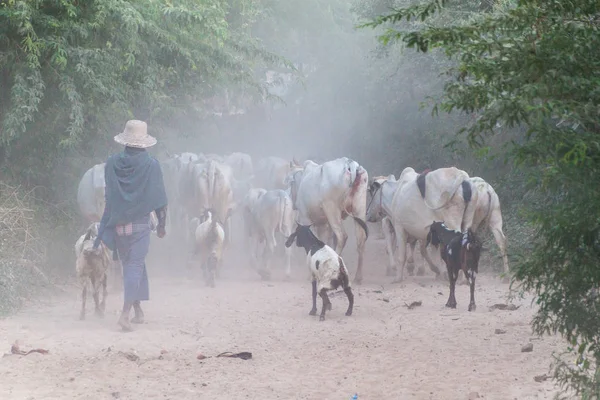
(535,64)
(70,70)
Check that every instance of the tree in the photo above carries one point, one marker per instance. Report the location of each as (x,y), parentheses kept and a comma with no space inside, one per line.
(70,70)
(535,64)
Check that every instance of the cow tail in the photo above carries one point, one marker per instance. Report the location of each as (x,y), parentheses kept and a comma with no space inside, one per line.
(363,225)
(469,203)
(211,181)
(485,221)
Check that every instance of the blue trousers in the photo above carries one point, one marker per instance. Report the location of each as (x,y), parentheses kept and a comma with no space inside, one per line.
(132,251)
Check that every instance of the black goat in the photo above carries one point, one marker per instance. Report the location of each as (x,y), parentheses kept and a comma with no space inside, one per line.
(326,266)
(459,251)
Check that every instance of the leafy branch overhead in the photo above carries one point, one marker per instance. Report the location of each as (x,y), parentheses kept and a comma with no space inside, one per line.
(534,66)
(72,63)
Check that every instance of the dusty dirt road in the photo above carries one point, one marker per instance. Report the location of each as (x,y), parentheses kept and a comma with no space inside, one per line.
(383,351)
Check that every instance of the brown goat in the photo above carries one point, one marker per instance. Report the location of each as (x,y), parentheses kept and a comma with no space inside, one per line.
(92,265)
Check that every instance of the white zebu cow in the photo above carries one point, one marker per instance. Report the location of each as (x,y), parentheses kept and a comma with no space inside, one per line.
(177,184)
(488,214)
(444,194)
(326,194)
(271,172)
(210,156)
(382,210)
(212,184)
(266,213)
(90,193)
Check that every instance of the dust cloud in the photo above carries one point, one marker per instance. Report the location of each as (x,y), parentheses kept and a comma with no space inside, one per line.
(349,98)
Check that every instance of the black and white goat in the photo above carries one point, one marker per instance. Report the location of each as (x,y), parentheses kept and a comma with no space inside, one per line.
(327,269)
(459,251)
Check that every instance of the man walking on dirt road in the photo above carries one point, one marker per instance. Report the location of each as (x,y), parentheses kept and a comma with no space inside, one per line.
(134,189)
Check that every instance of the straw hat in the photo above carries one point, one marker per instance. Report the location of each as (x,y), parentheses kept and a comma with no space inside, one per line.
(135,135)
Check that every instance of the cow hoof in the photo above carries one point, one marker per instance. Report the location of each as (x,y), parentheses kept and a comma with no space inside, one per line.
(420,272)
(390,272)
(264,275)
(82,317)
(397,280)
(348,313)
(357,281)
(450,305)
(472,307)
(312,312)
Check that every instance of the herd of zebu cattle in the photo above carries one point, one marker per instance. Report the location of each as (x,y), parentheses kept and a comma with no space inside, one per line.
(306,203)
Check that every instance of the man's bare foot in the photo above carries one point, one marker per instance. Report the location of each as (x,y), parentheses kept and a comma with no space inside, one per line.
(124,323)
(139,315)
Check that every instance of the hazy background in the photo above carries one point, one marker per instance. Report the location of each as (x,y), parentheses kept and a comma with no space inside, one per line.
(346,95)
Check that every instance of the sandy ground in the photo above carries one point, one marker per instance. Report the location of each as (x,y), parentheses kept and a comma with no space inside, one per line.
(383,351)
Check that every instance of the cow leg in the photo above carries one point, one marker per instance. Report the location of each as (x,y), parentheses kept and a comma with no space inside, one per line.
(104,294)
(326,304)
(334,218)
(472,306)
(501,242)
(410,252)
(83,298)
(400,253)
(452,276)
(288,262)
(361,239)
(427,258)
(268,254)
(228,232)
(255,251)
(390,247)
(381,230)
(210,273)
(313,310)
